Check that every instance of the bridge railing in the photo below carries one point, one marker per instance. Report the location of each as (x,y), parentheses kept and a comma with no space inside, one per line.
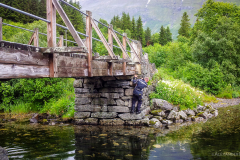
(54,6)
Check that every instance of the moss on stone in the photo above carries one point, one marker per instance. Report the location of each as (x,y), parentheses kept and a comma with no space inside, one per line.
(152,122)
(199,113)
(155,112)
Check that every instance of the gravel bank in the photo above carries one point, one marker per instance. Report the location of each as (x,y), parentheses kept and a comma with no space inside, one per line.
(224,102)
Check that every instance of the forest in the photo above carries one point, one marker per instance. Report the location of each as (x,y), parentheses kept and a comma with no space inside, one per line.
(204,57)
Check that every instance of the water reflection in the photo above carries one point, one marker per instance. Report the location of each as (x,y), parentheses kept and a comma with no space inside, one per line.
(25,141)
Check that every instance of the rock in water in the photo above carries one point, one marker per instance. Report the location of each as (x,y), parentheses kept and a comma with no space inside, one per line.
(161,104)
(3,154)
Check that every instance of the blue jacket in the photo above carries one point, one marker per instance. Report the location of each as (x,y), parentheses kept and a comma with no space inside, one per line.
(140,84)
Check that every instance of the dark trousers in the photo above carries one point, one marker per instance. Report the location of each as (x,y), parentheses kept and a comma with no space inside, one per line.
(136,98)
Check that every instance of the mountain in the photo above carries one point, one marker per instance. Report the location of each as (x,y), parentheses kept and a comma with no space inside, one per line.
(154,13)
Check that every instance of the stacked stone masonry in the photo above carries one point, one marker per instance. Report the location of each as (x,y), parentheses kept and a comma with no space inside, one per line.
(107,101)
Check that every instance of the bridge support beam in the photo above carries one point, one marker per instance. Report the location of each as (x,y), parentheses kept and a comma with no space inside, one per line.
(89,41)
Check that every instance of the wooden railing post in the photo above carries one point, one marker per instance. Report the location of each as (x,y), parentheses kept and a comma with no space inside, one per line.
(110,41)
(36,38)
(124,55)
(0,28)
(60,42)
(89,41)
(51,37)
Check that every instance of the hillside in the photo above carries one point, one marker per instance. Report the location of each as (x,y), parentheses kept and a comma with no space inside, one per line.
(154,13)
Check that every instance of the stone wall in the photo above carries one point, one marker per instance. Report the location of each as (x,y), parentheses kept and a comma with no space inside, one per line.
(107,101)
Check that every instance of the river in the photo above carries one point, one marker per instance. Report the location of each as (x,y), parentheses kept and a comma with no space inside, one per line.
(64,141)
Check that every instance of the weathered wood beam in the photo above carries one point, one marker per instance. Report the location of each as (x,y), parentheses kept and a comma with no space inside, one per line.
(119,43)
(0,28)
(60,42)
(13,56)
(68,23)
(105,57)
(89,41)
(124,56)
(110,51)
(132,49)
(110,41)
(23,71)
(63,50)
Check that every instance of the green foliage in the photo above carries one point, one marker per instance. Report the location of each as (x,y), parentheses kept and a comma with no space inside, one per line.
(178,93)
(185,26)
(165,35)
(34,93)
(148,36)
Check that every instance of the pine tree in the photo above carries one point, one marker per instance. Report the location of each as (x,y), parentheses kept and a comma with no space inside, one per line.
(113,21)
(148,36)
(129,23)
(185,26)
(118,22)
(168,35)
(124,21)
(133,29)
(139,30)
(162,36)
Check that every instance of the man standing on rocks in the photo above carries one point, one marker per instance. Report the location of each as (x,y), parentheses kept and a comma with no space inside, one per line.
(138,93)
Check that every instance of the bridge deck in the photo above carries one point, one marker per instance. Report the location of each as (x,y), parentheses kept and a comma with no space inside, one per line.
(23,61)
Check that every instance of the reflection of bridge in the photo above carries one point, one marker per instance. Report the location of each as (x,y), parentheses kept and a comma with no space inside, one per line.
(27,61)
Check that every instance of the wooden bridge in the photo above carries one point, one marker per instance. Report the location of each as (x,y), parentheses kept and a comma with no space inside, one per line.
(33,61)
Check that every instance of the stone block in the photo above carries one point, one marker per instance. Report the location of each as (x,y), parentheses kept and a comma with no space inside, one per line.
(120,102)
(155,123)
(119,109)
(88,85)
(128,92)
(124,77)
(161,104)
(81,115)
(79,121)
(110,95)
(116,83)
(105,122)
(90,80)
(108,78)
(79,101)
(111,90)
(183,115)
(173,115)
(126,97)
(78,83)
(117,122)
(104,109)
(88,95)
(126,103)
(81,90)
(91,121)
(88,108)
(104,115)
(103,101)
(128,116)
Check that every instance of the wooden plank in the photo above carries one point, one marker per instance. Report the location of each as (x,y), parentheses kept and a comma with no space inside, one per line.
(117,66)
(68,23)
(72,72)
(31,39)
(60,42)
(13,56)
(100,72)
(0,28)
(129,72)
(104,58)
(63,50)
(118,72)
(99,65)
(132,49)
(51,34)
(110,37)
(36,38)
(23,71)
(71,62)
(124,56)
(89,41)
(110,51)
(119,43)
(18,46)
(114,60)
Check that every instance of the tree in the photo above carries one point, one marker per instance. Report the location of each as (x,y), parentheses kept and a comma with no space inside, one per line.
(139,31)
(133,29)
(162,36)
(185,26)
(148,36)
(168,35)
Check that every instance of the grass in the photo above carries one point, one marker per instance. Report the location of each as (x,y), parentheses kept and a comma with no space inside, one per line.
(177,92)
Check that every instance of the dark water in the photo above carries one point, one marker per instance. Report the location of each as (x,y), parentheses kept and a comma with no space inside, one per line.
(26,141)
